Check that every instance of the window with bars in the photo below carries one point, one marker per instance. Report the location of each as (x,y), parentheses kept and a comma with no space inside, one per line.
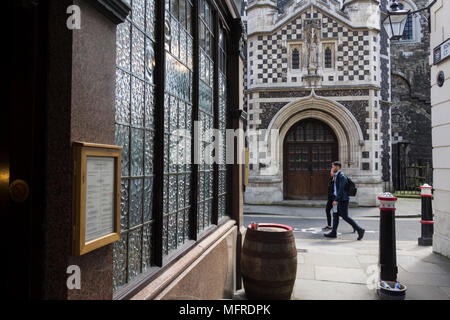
(151,234)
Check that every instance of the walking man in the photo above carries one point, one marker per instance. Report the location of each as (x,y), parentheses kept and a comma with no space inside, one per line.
(341,200)
(330,201)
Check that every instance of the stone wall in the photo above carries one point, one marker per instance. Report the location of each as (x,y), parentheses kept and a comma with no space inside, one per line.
(411,108)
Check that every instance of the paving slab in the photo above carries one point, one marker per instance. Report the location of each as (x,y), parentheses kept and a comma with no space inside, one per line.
(332,260)
(328,290)
(368,259)
(446,290)
(305,271)
(416,265)
(423,279)
(346,275)
(425,293)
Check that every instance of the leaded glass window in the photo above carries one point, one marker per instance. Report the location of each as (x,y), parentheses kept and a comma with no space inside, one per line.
(222,200)
(328,58)
(167,129)
(295,59)
(408,32)
(206,117)
(177,125)
(135,133)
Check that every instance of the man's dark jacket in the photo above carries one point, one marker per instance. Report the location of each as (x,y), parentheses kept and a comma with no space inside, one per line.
(331,189)
(341,182)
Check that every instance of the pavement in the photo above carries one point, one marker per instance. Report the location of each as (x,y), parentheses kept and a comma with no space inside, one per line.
(405,208)
(346,269)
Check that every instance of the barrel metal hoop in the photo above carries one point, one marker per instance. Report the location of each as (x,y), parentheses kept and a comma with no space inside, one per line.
(265,255)
(269,284)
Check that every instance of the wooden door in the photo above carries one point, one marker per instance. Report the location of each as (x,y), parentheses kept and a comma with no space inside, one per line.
(309,149)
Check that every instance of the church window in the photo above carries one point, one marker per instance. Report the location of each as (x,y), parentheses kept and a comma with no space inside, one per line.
(408,32)
(295,59)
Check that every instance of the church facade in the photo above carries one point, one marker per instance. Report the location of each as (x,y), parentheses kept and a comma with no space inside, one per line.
(318,90)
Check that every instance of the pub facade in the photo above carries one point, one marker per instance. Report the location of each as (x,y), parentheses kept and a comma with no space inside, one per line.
(150,78)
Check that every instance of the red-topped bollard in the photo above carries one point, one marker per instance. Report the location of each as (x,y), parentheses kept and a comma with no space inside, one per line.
(427,222)
(387,245)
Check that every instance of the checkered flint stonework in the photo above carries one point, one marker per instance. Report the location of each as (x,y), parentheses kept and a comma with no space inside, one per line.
(270,56)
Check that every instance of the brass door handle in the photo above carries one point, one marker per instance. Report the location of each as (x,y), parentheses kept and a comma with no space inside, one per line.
(19,191)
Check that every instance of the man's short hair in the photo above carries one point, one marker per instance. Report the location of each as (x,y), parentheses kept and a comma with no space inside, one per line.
(337,164)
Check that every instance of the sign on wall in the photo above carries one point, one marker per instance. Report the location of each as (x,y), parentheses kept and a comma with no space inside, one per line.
(96,205)
(441,52)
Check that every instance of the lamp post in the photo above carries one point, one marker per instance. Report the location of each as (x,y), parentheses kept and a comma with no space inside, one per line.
(395,21)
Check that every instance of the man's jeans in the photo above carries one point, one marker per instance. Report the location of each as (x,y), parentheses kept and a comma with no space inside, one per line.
(343,212)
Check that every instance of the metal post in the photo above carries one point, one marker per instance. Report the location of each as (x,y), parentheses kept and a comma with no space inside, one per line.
(387,244)
(427,222)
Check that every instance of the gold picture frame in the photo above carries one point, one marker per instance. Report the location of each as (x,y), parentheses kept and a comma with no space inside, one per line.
(103,180)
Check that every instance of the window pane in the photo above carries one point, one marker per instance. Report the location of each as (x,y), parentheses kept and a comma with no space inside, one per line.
(134,132)
(177,124)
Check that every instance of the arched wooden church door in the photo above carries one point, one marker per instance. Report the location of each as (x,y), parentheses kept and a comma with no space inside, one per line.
(309,149)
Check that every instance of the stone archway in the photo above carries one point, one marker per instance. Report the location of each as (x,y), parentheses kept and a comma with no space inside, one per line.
(336,116)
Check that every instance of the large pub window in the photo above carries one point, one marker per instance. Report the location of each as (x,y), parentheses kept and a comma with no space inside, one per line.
(168,75)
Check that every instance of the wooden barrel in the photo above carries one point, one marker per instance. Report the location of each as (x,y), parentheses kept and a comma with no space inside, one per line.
(269,262)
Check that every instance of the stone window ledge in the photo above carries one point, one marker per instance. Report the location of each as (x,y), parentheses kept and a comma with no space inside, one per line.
(154,288)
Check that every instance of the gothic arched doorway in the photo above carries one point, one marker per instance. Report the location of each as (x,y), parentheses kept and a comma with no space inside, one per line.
(309,149)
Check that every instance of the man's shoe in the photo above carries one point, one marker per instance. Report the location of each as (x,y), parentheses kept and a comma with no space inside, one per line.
(331,235)
(361,234)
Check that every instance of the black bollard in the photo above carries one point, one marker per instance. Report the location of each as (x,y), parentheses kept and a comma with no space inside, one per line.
(388,250)
(427,222)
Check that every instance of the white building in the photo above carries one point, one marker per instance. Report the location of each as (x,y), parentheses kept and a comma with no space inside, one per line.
(440,100)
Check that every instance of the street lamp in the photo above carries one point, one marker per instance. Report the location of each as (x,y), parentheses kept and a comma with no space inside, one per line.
(395,21)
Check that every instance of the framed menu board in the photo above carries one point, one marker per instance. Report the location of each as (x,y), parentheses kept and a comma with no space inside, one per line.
(96,192)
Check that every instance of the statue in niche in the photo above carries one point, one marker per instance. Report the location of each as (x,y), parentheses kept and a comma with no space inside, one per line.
(312,45)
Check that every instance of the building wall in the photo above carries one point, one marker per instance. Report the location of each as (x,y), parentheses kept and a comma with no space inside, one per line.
(411,108)
(440,101)
(206,273)
(358,82)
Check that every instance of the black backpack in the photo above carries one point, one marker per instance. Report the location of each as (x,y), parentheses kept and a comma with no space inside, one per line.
(351,188)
